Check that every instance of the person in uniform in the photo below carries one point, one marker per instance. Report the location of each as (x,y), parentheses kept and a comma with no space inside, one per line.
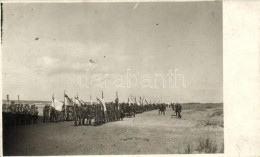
(179,110)
(176,106)
(173,106)
(36,115)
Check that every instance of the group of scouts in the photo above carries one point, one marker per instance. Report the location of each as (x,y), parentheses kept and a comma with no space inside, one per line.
(177,108)
(95,113)
(82,113)
(15,114)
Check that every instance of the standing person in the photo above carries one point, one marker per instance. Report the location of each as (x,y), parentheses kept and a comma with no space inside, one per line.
(35,116)
(159,109)
(176,108)
(179,110)
(172,106)
(63,112)
(164,109)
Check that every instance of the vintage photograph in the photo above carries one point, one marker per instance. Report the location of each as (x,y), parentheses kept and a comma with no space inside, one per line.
(121,78)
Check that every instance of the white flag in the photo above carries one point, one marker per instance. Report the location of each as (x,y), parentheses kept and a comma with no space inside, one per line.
(76,101)
(82,102)
(68,101)
(138,103)
(130,101)
(57,105)
(102,101)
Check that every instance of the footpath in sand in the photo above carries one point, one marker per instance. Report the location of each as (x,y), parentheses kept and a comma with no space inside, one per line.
(147,133)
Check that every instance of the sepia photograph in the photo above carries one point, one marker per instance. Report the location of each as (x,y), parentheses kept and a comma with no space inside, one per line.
(121,78)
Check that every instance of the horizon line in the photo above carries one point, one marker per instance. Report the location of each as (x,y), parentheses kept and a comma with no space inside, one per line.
(122,101)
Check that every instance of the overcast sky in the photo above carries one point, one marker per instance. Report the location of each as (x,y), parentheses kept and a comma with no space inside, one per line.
(46,47)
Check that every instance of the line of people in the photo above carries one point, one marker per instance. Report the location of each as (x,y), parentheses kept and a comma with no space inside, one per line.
(19,114)
(96,114)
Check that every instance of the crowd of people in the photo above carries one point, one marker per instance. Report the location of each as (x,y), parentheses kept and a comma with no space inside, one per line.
(96,113)
(19,114)
(82,113)
(177,108)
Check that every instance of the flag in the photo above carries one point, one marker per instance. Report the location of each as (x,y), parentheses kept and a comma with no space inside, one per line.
(56,104)
(129,101)
(141,101)
(76,101)
(68,100)
(102,102)
(90,100)
(81,101)
(138,103)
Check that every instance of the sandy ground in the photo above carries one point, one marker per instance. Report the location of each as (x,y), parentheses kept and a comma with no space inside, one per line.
(147,133)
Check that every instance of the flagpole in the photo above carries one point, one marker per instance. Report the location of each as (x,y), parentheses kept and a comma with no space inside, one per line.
(53,97)
(64,97)
(7,97)
(90,99)
(18,99)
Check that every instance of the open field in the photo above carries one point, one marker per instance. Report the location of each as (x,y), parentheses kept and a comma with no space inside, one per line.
(200,130)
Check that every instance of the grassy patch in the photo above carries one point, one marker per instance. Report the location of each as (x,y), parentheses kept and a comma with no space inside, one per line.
(207,146)
(188,149)
(204,145)
(200,109)
(217,112)
(214,123)
(189,106)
